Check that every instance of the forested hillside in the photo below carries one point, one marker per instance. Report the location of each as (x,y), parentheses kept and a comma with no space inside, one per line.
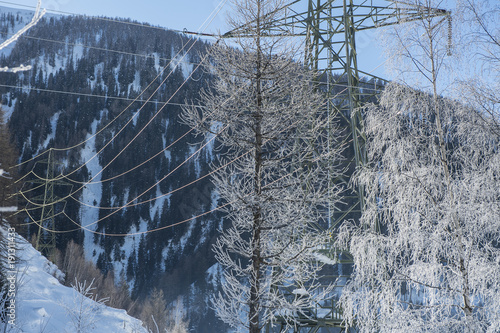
(106,96)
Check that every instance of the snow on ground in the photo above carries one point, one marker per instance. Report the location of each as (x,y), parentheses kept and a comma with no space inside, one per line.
(53,126)
(91,193)
(6,108)
(43,304)
(25,15)
(183,62)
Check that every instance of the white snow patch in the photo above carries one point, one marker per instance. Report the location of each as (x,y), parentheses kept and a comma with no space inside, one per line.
(184,239)
(182,61)
(98,69)
(131,242)
(91,194)
(77,51)
(8,109)
(25,17)
(98,36)
(158,203)
(300,291)
(135,116)
(168,154)
(41,300)
(135,86)
(53,127)
(157,62)
(195,159)
(215,275)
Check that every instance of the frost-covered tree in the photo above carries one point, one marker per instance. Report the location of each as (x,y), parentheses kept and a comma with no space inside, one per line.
(272,173)
(481,85)
(36,17)
(85,308)
(426,251)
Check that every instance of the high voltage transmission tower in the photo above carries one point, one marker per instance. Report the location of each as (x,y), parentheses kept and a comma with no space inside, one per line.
(46,237)
(329,28)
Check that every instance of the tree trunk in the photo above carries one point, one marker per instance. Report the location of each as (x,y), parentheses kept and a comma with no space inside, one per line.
(253,315)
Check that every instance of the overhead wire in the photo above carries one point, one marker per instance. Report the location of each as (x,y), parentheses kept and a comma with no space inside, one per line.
(153,186)
(134,138)
(221,206)
(162,179)
(128,204)
(107,19)
(118,116)
(94,176)
(161,228)
(146,56)
(29,88)
(211,17)
(136,114)
(171,191)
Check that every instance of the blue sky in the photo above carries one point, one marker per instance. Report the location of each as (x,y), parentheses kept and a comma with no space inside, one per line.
(191,14)
(176,14)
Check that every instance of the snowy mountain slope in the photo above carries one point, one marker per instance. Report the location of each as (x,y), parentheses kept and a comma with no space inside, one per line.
(85,74)
(45,305)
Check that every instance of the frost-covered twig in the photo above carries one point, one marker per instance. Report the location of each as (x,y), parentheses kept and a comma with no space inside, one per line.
(86,305)
(36,17)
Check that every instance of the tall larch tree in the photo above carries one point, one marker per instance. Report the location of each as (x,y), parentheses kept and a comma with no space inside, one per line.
(270,127)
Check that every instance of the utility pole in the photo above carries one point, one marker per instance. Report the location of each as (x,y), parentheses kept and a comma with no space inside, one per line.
(46,237)
(329,28)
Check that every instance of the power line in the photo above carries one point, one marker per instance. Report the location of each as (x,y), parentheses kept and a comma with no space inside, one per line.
(156,114)
(209,19)
(94,95)
(164,227)
(102,18)
(184,186)
(122,112)
(146,56)
(125,148)
(121,130)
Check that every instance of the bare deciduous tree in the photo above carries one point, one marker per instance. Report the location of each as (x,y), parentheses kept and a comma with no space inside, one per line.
(481,87)
(85,308)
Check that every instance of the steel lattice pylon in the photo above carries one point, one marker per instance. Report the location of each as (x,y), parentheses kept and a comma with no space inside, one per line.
(329,28)
(46,237)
